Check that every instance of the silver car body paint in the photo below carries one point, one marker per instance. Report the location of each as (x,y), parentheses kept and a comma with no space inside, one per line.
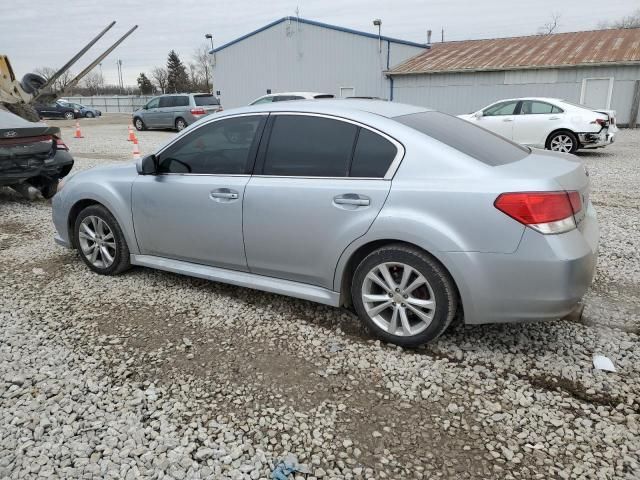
(298,242)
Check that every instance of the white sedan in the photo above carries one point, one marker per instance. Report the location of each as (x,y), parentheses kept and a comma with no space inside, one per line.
(547,123)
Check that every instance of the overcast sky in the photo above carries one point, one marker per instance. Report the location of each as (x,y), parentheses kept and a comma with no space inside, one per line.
(46,33)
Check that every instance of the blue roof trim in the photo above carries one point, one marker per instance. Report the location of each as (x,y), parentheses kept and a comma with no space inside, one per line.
(319,24)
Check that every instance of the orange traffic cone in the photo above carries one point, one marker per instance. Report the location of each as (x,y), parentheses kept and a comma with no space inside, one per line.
(136,150)
(132,135)
(78,132)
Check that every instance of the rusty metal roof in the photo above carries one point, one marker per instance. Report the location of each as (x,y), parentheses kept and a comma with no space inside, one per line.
(597,47)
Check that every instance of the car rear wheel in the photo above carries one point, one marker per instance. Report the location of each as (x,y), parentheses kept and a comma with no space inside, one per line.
(565,142)
(100,241)
(69,115)
(48,190)
(403,295)
(180,124)
(139,124)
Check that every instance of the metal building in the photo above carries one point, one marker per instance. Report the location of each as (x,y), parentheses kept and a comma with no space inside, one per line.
(295,54)
(600,69)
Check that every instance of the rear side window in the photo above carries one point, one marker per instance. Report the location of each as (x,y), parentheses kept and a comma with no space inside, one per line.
(204,100)
(372,156)
(481,144)
(263,100)
(166,102)
(284,98)
(531,107)
(307,146)
(181,101)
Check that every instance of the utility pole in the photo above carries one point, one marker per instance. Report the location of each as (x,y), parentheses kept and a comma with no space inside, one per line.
(442,40)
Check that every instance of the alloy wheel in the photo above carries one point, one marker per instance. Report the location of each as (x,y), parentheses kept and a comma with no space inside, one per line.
(562,143)
(398,299)
(97,242)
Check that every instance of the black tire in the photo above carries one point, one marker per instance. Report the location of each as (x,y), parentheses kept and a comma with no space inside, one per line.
(181,124)
(441,283)
(89,115)
(48,190)
(120,258)
(69,115)
(139,124)
(562,137)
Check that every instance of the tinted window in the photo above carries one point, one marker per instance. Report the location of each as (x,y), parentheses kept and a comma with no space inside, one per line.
(181,101)
(166,102)
(203,100)
(373,155)
(309,147)
(282,98)
(153,103)
(531,107)
(263,100)
(481,144)
(221,147)
(503,108)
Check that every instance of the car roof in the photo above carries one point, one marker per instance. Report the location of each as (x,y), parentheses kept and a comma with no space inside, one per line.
(334,106)
(309,94)
(542,99)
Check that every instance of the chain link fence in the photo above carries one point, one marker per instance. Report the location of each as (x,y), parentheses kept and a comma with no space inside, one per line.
(112,104)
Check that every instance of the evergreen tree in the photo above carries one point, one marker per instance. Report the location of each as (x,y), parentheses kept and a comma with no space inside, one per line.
(177,79)
(144,84)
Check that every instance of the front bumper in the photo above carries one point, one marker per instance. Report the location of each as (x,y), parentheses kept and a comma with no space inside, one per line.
(596,140)
(544,279)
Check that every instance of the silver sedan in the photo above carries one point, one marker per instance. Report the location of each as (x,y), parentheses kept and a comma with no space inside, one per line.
(408,216)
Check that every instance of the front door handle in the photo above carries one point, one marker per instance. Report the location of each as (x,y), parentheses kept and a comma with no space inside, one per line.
(352,199)
(222,194)
(554,118)
(508,120)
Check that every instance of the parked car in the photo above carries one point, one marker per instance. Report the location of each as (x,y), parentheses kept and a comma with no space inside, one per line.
(31,154)
(175,111)
(409,216)
(57,110)
(85,111)
(284,96)
(547,123)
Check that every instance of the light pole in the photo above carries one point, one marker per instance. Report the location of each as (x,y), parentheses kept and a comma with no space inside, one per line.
(210,37)
(378,23)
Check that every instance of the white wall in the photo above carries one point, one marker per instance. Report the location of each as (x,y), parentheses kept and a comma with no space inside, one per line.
(294,56)
(458,93)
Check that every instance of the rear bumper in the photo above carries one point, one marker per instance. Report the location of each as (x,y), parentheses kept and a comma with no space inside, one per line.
(596,140)
(544,279)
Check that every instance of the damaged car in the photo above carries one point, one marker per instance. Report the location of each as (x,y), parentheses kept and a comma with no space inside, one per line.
(32,156)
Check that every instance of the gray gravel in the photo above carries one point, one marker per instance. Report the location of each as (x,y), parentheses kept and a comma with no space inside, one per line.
(154,375)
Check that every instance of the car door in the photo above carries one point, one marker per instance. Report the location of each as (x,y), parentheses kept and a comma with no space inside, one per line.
(165,111)
(317,187)
(499,118)
(151,113)
(536,120)
(192,209)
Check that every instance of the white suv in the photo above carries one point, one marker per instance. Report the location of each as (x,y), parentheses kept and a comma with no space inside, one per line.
(547,123)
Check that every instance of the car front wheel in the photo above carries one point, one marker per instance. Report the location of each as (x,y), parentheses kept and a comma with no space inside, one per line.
(403,295)
(139,124)
(565,142)
(100,241)
(69,115)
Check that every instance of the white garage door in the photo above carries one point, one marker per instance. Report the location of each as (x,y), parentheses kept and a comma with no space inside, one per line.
(596,92)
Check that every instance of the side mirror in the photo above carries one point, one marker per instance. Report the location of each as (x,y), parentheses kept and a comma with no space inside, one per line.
(145,107)
(478,114)
(147,165)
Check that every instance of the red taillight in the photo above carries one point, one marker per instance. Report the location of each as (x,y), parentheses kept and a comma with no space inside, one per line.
(599,121)
(198,111)
(547,212)
(60,145)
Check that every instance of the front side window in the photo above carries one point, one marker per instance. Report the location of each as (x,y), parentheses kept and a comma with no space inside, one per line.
(224,147)
(372,156)
(309,146)
(532,107)
(153,103)
(503,108)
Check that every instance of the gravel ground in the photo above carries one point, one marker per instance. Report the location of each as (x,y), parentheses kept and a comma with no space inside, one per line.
(155,375)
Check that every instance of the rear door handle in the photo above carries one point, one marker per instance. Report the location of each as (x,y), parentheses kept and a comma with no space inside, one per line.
(352,199)
(554,118)
(224,194)
(508,120)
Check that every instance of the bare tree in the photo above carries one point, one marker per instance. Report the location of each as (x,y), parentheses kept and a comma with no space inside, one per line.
(160,76)
(94,81)
(202,63)
(551,26)
(61,82)
(628,21)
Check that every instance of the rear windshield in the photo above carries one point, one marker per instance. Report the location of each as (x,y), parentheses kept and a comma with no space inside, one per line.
(481,144)
(202,100)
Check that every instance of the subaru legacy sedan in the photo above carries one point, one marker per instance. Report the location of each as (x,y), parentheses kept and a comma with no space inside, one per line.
(408,216)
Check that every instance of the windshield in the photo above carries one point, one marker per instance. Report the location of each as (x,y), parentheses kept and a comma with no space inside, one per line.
(203,100)
(481,144)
